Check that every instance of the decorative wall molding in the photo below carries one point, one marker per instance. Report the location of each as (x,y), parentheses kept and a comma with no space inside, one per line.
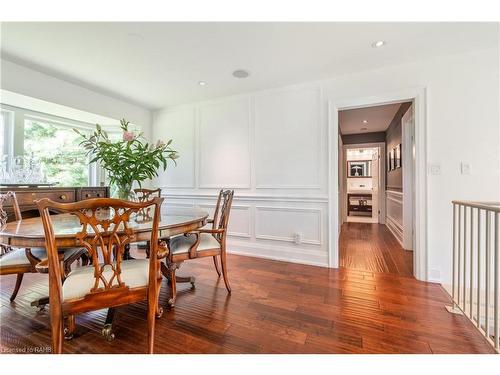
(193,149)
(394,213)
(269,207)
(247,209)
(240,196)
(316,211)
(318,162)
(221,164)
(280,253)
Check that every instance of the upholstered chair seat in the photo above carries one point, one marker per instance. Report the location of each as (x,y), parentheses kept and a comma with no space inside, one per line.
(20,261)
(182,244)
(17,257)
(134,273)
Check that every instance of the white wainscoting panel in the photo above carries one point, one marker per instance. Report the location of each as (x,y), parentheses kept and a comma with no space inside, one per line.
(394,213)
(288,139)
(224,144)
(179,126)
(271,148)
(265,227)
(240,219)
(282,223)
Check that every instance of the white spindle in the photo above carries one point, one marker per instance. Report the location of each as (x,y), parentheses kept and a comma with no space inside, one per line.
(471,263)
(476,265)
(459,273)
(465,259)
(478,268)
(497,276)
(487,285)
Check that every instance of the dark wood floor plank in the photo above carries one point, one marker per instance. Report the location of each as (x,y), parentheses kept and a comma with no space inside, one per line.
(275,307)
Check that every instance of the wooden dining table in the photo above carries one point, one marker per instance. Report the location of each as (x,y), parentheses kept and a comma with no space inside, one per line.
(29,233)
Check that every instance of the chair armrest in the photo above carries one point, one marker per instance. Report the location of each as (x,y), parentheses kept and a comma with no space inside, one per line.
(163,250)
(42,266)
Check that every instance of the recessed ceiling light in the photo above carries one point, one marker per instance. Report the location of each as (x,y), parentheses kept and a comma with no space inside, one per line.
(365,121)
(364,129)
(241,73)
(202,83)
(379,43)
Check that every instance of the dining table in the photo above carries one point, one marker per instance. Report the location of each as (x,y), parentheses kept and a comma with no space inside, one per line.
(29,233)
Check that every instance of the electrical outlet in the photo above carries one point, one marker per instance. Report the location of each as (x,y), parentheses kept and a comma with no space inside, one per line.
(464,167)
(297,238)
(435,168)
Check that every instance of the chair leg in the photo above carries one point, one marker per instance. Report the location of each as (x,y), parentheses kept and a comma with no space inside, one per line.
(159,309)
(19,280)
(216,264)
(173,288)
(70,330)
(224,268)
(57,328)
(152,311)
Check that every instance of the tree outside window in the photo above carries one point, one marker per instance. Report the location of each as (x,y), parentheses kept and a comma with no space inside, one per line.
(57,146)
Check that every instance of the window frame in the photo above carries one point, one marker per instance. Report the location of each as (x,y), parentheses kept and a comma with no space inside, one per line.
(19,115)
(8,132)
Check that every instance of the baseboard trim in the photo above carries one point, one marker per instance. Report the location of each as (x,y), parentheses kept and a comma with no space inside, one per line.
(308,257)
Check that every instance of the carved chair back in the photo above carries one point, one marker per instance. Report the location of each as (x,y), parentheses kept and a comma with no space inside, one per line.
(4,199)
(105,232)
(146,194)
(222,210)
(143,195)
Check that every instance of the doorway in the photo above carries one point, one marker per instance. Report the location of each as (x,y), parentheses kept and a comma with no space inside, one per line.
(362,187)
(411,151)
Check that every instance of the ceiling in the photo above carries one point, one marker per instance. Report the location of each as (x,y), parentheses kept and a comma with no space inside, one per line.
(378,119)
(160,64)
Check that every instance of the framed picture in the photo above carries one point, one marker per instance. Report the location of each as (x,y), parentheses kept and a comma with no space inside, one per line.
(397,156)
(392,164)
(359,168)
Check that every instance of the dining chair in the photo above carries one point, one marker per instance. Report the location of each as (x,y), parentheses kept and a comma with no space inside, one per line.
(107,226)
(141,195)
(204,242)
(20,261)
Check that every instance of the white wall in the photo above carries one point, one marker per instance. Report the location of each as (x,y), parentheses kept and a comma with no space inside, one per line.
(269,146)
(22,80)
(272,147)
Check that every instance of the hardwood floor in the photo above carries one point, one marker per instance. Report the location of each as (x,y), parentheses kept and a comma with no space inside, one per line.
(275,307)
(372,247)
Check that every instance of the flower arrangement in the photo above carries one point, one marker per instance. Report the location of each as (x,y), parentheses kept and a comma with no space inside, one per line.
(128,160)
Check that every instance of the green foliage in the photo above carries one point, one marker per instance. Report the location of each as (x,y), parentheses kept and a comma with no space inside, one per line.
(58,149)
(128,160)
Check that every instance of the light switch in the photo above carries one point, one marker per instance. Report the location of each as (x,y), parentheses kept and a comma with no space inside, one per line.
(464,168)
(434,168)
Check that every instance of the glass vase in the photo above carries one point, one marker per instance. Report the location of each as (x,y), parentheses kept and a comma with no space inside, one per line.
(124,191)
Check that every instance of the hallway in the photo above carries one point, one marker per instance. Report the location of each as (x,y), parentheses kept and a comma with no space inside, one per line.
(372,247)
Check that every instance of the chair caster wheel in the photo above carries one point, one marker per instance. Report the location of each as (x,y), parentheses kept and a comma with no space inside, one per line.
(159,313)
(107,332)
(68,336)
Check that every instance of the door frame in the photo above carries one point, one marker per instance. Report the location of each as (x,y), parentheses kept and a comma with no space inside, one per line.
(419,98)
(381,177)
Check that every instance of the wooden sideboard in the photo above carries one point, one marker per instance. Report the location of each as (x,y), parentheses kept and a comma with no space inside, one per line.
(27,195)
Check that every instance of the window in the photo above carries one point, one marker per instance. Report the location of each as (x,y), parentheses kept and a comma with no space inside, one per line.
(56,145)
(6,133)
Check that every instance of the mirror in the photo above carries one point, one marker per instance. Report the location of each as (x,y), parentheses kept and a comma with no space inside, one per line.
(359,168)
